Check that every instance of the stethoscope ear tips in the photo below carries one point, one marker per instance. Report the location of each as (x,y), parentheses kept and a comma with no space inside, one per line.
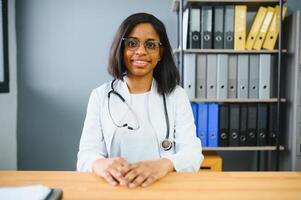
(129,127)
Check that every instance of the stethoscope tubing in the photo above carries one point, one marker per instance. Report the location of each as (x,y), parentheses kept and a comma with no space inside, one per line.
(166,144)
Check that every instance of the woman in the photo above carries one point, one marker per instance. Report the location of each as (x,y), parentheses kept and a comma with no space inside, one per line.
(139,127)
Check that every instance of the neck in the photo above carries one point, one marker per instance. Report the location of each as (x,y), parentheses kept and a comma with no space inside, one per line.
(139,85)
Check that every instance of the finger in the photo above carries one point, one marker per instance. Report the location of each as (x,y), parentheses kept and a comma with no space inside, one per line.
(131,175)
(129,168)
(125,169)
(138,181)
(115,174)
(151,179)
(109,178)
(121,165)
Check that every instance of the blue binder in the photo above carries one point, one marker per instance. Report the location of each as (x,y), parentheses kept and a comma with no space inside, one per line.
(194,107)
(212,125)
(202,123)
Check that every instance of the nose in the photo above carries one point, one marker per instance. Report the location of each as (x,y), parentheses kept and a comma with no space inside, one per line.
(141,50)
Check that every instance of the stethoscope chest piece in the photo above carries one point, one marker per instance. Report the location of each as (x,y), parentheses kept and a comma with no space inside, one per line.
(166,144)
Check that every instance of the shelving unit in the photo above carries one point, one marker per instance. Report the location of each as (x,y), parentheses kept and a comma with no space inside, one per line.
(260,148)
(252,4)
(238,100)
(228,51)
(178,6)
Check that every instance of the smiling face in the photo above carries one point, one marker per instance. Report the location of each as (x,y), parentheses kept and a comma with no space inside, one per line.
(141,61)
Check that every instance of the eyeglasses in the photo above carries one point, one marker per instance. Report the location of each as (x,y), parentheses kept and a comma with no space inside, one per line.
(133,44)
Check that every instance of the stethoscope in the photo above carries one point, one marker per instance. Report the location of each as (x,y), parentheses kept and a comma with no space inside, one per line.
(166,144)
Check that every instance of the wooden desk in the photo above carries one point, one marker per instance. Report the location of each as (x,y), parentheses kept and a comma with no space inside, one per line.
(186,186)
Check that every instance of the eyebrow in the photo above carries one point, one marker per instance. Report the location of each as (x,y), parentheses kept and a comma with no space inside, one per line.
(148,39)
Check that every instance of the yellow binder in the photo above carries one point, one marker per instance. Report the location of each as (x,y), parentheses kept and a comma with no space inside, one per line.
(240,25)
(272,35)
(264,29)
(256,25)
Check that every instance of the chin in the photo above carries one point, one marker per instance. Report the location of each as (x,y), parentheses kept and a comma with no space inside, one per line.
(139,73)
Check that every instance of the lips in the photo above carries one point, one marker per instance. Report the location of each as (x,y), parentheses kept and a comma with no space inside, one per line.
(140,63)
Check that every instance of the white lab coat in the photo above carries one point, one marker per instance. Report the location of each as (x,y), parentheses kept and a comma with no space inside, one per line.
(99,129)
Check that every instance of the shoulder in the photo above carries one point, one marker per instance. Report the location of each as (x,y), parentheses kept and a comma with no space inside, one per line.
(178,96)
(103,87)
(178,92)
(101,91)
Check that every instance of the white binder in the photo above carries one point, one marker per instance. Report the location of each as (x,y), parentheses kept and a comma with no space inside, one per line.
(189,75)
(242,76)
(264,76)
(211,76)
(222,76)
(185,28)
(201,76)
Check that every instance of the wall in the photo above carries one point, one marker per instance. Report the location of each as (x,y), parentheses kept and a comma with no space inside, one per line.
(62,56)
(8,102)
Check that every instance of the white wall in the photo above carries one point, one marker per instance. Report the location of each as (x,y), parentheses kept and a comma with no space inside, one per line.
(8,102)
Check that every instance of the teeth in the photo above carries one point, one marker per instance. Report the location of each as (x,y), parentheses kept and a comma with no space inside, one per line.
(140,62)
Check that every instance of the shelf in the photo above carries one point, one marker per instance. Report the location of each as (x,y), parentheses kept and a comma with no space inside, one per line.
(273,100)
(252,4)
(253,148)
(229,51)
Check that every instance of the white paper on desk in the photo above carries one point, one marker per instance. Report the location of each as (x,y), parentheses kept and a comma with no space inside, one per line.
(32,192)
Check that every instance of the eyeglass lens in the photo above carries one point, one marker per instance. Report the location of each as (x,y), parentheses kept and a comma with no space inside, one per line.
(149,45)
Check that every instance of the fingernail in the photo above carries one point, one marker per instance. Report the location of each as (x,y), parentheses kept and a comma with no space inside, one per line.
(122,183)
(132,185)
(144,185)
(113,183)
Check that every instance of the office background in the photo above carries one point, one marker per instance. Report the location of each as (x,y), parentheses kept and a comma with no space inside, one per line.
(58,52)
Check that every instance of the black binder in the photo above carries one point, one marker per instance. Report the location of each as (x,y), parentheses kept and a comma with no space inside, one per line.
(229,27)
(218,27)
(195,40)
(195,23)
(272,124)
(223,136)
(243,122)
(234,125)
(252,125)
(262,124)
(206,27)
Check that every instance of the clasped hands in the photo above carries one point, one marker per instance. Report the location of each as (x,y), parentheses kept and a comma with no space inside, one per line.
(117,171)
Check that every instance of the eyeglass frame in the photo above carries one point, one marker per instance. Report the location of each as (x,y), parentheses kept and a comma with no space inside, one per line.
(139,42)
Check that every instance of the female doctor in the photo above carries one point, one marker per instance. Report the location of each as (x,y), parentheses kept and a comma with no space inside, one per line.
(140,126)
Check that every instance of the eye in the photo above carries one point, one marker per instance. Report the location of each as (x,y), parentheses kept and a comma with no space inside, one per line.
(131,43)
(151,45)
